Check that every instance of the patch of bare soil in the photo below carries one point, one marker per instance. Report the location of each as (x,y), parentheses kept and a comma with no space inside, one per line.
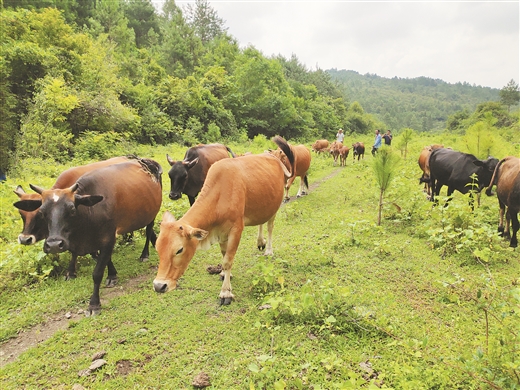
(11,349)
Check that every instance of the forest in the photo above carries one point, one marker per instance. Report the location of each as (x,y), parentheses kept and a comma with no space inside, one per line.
(79,77)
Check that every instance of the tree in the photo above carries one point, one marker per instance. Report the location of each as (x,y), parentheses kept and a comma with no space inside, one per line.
(141,18)
(404,139)
(204,20)
(384,167)
(510,94)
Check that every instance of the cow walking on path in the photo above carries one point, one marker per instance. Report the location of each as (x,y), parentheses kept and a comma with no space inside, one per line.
(86,217)
(358,149)
(246,191)
(507,179)
(187,176)
(455,170)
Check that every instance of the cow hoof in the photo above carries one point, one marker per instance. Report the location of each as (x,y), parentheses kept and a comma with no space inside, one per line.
(225,301)
(70,277)
(261,247)
(111,282)
(93,311)
(143,259)
(285,200)
(513,244)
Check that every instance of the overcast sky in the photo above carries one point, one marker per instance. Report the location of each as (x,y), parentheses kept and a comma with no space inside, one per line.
(473,41)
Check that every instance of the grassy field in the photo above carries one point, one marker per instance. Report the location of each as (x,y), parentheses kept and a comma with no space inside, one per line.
(427,300)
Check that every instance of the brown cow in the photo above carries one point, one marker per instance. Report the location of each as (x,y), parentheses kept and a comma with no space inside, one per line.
(424,164)
(343,154)
(86,217)
(35,227)
(302,162)
(507,179)
(358,149)
(187,176)
(320,146)
(246,191)
(334,151)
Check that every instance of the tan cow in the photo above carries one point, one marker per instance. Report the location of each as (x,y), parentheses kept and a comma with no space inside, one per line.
(507,179)
(424,164)
(302,162)
(334,151)
(343,154)
(245,191)
(320,146)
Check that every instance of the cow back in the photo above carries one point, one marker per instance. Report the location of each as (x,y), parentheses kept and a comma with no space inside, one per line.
(302,160)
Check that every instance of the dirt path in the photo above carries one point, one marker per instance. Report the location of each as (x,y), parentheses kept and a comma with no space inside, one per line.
(12,348)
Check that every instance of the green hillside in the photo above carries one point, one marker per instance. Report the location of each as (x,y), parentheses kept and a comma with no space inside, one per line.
(421,103)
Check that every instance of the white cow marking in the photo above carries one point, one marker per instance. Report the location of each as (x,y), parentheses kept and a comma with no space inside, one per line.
(55,198)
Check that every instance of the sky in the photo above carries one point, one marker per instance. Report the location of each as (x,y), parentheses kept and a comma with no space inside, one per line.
(455,41)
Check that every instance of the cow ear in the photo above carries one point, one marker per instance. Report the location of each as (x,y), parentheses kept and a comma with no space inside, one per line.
(87,200)
(19,191)
(169,159)
(28,205)
(167,217)
(197,233)
(190,164)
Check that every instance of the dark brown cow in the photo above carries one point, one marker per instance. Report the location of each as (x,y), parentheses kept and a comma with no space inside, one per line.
(424,164)
(187,176)
(35,227)
(358,149)
(320,146)
(245,191)
(334,151)
(302,162)
(86,217)
(507,179)
(343,154)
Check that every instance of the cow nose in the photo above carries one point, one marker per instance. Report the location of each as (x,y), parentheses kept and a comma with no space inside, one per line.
(174,196)
(160,287)
(26,240)
(54,245)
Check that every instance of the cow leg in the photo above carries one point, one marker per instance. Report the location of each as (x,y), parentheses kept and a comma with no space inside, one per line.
(260,241)
(105,258)
(507,231)
(226,295)
(71,270)
(287,187)
(501,218)
(301,189)
(515,225)
(112,275)
(270,226)
(149,233)
(191,199)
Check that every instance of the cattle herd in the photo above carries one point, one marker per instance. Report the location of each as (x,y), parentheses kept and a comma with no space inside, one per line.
(88,206)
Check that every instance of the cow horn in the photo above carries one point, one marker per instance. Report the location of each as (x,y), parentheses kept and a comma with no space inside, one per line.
(170,161)
(37,189)
(74,187)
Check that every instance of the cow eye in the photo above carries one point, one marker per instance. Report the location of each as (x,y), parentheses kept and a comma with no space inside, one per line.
(179,251)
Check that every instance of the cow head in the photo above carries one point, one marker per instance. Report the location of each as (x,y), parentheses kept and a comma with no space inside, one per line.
(34,226)
(59,208)
(485,171)
(179,176)
(176,245)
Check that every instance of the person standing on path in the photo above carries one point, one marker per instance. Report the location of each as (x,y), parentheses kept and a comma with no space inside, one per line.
(388,137)
(377,143)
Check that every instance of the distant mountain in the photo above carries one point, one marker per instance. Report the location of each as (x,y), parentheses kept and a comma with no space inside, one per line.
(421,103)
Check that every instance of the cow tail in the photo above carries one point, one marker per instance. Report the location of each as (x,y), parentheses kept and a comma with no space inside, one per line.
(493,179)
(230,152)
(282,144)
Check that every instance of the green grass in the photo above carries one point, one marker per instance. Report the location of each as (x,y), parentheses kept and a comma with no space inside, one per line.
(343,292)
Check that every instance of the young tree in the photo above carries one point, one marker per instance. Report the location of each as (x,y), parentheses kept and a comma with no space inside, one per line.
(510,94)
(404,139)
(204,20)
(384,167)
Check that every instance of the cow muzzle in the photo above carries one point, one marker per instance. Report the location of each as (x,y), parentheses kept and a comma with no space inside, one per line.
(174,196)
(162,285)
(54,245)
(26,239)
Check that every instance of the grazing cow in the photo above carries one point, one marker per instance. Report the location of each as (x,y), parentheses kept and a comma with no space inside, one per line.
(507,179)
(302,162)
(246,191)
(86,217)
(334,151)
(424,164)
(358,149)
(34,225)
(320,146)
(454,169)
(343,154)
(187,176)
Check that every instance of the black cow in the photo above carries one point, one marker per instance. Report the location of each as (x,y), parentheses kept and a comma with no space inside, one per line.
(455,170)
(187,176)
(86,217)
